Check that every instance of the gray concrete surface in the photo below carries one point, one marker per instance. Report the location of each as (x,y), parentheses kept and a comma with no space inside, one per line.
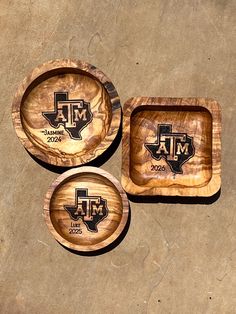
(175,258)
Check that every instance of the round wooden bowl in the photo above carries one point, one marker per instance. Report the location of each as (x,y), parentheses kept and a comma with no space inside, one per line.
(86,209)
(66,112)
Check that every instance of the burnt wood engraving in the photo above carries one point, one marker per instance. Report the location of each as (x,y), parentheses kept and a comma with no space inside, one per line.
(175,148)
(90,209)
(86,209)
(73,114)
(66,112)
(171,147)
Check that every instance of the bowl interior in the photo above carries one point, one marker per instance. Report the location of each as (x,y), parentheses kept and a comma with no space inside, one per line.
(171,146)
(86,209)
(66,113)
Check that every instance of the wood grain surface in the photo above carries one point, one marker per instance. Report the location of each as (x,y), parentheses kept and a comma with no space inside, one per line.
(57,131)
(177,257)
(184,160)
(86,209)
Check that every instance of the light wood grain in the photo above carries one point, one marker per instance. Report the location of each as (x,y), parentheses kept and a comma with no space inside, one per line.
(35,97)
(61,194)
(199,119)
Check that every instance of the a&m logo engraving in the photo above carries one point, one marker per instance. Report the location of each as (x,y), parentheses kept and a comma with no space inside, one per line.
(74,114)
(90,209)
(175,148)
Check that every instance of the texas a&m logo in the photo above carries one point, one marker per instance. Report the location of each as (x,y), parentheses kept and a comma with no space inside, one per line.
(74,114)
(90,209)
(175,148)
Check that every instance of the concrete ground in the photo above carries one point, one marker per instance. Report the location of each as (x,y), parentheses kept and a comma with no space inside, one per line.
(175,258)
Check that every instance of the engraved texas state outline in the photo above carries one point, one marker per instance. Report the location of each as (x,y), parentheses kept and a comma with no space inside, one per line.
(90,209)
(175,148)
(74,114)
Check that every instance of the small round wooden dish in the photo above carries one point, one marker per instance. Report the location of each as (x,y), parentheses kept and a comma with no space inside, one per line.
(86,209)
(66,112)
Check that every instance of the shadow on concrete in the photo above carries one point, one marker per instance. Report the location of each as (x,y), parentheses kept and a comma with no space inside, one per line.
(174,199)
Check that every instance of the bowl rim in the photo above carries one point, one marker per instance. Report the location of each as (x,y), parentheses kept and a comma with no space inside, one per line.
(65,177)
(72,65)
(209,104)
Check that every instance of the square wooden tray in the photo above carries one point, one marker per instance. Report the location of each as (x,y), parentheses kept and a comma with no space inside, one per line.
(171,146)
